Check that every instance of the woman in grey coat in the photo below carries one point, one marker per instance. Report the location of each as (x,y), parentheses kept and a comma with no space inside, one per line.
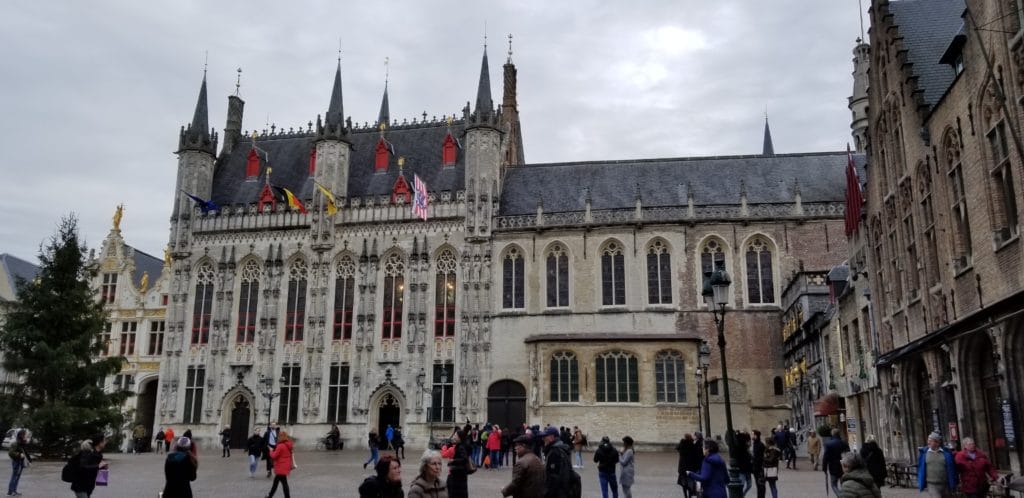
(627,472)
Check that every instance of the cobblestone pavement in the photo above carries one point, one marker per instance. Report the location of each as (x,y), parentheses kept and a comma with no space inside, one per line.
(338,474)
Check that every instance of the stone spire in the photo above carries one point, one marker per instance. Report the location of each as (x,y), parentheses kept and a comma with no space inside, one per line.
(767,149)
(198,135)
(483,113)
(385,113)
(333,127)
(512,153)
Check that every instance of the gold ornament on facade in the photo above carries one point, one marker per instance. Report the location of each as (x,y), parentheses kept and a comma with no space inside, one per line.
(118,213)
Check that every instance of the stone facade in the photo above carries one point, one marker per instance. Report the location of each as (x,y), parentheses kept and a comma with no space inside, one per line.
(373,316)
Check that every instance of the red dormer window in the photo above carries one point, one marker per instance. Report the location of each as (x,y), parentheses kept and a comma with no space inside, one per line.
(267,197)
(312,162)
(448,151)
(252,165)
(383,150)
(401,188)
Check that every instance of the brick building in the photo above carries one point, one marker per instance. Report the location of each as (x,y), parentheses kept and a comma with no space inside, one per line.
(941,233)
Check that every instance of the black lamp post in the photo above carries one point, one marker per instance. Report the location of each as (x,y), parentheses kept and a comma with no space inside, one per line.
(700,395)
(430,411)
(268,392)
(704,359)
(716,295)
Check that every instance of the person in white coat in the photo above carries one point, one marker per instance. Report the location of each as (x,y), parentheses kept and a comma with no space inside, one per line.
(627,473)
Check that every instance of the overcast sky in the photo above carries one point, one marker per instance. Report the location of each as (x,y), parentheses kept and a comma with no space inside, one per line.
(92,94)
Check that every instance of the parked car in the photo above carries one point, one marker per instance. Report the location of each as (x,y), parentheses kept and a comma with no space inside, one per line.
(11,435)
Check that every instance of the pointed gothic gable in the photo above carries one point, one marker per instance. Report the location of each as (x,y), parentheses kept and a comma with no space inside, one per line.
(267,197)
(312,161)
(252,164)
(401,188)
(448,151)
(381,161)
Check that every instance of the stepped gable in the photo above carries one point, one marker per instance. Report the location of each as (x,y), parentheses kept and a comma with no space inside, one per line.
(289,153)
(927,29)
(666,182)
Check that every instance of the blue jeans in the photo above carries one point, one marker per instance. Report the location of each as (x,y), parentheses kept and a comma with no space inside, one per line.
(749,483)
(775,489)
(374,456)
(495,463)
(834,481)
(16,467)
(253,461)
(608,479)
(579,458)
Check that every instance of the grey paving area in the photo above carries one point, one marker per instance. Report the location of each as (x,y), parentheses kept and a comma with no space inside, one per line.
(338,474)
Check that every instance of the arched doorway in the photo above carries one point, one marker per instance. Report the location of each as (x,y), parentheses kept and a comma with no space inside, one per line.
(145,409)
(985,399)
(506,403)
(241,415)
(389,412)
(919,404)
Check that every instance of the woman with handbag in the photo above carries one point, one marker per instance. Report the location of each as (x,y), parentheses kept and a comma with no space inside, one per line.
(460,467)
(772,455)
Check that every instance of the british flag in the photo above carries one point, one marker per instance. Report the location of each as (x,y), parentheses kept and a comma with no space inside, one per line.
(419,201)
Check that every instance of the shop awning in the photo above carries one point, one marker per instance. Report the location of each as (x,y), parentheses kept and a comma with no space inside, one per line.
(827,405)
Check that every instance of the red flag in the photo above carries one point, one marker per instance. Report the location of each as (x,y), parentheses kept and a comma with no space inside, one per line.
(854,196)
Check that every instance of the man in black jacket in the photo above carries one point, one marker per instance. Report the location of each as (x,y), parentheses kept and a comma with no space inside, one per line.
(557,465)
(606,458)
(758,461)
(830,461)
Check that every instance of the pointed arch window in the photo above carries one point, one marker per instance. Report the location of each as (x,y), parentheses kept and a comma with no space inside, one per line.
(444,298)
(448,151)
(296,309)
(203,306)
(344,295)
(760,280)
(617,380)
(557,277)
(248,301)
(670,377)
(958,209)
(394,287)
(512,279)
(712,256)
(659,273)
(613,275)
(565,378)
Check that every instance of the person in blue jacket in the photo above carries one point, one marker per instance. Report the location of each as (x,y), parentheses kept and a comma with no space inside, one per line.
(936,471)
(713,475)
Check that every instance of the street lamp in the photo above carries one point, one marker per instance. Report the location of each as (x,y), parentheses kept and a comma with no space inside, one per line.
(716,295)
(704,359)
(268,392)
(433,392)
(700,395)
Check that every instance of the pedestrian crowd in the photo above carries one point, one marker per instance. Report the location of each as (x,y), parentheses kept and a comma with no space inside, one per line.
(544,460)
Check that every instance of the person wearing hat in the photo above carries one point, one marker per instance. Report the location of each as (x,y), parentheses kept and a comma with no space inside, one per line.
(607,457)
(90,461)
(936,471)
(180,470)
(527,471)
(557,466)
(831,460)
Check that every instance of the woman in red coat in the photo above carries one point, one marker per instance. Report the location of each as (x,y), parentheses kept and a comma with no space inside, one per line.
(493,446)
(975,469)
(281,455)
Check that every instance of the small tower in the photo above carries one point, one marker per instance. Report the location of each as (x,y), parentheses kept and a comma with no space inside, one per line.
(512,153)
(197,145)
(333,144)
(233,126)
(483,156)
(859,100)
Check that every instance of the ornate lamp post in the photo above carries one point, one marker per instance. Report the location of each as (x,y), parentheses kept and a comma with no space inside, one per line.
(704,359)
(421,378)
(699,375)
(269,393)
(716,295)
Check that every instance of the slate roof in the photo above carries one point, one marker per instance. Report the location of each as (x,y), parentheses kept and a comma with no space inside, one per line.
(927,28)
(289,160)
(667,182)
(145,263)
(15,268)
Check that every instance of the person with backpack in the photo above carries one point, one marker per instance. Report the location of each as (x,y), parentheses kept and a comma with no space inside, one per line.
(607,457)
(19,460)
(578,440)
(557,465)
(82,468)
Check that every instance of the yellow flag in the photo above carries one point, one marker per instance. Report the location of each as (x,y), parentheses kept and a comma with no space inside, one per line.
(332,206)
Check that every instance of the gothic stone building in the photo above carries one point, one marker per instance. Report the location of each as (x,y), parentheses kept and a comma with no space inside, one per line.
(543,293)
(943,198)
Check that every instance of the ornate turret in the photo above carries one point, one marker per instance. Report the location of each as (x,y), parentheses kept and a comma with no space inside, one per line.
(330,160)
(198,136)
(483,147)
(859,100)
(484,114)
(334,127)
